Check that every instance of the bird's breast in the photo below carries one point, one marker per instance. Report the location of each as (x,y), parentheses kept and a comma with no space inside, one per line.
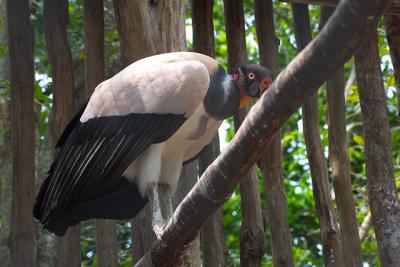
(200,128)
(193,131)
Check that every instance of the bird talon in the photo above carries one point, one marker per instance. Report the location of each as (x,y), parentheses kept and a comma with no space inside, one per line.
(157,230)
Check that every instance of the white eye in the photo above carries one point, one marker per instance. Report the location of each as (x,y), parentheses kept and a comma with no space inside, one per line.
(251,76)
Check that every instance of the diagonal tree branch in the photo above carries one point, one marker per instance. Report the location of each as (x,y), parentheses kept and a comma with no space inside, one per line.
(336,43)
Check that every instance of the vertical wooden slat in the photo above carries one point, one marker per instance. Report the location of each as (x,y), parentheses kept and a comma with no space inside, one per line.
(330,236)
(212,233)
(252,230)
(55,18)
(93,24)
(5,147)
(134,29)
(282,254)
(382,193)
(188,178)
(340,161)
(93,18)
(203,27)
(392,26)
(22,244)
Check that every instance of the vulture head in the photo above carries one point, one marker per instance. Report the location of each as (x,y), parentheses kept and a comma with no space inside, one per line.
(252,81)
(229,93)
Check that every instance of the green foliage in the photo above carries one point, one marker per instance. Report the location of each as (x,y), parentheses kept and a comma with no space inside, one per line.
(5,89)
(3,49)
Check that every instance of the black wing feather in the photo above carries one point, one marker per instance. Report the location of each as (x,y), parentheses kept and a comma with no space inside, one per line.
(93,157)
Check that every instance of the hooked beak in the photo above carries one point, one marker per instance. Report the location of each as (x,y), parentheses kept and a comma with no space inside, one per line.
(264,85)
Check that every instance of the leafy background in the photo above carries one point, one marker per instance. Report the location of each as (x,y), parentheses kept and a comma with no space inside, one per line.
(302,215)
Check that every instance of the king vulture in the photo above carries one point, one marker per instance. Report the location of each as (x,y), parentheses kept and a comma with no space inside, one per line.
(139,127)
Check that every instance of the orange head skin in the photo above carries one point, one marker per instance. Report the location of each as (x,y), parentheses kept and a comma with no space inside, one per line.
(252,80)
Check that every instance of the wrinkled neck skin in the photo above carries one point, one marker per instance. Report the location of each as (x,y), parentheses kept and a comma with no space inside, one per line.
(223,95)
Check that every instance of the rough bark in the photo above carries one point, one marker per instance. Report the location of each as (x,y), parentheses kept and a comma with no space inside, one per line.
(186,181)
(22,236)
(46,243)
(274,189)
(252,245)
(203,27)
(93,18)
(93,23)
(252,237)
(168,19)
(149,27)
(212,233)
(55,18)
(215,252)
(141,234)
(340,162)
(5,146)
(164,21)
(344,32)
(392,26)
(235,34)
(330,235)
(394,8)
(382,194)
(133,17)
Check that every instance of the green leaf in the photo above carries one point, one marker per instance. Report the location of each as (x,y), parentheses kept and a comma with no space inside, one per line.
(358,139)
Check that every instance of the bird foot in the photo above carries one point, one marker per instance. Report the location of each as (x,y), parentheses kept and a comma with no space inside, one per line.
(157,230)
(161,205)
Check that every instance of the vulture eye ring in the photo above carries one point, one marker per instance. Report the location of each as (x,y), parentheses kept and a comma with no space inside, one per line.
(251,76)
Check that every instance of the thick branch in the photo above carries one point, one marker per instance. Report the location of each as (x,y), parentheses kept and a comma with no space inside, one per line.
(340,161)
(22,228)
(330,236)
(335,44)
(55,18)
(252,235)
(212,233)
(382,193)
(203,27)
(136,36)
(187,179)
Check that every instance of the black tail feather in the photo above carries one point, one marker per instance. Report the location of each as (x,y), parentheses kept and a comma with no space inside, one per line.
(119,201)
